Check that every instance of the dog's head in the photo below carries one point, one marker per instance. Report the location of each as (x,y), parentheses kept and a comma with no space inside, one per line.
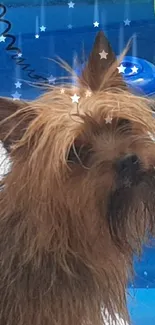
(83,171)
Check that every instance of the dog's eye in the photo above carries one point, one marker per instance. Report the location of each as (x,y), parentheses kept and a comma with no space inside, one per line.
(124,124)
(78,154)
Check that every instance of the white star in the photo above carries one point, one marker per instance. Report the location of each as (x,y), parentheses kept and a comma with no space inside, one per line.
(69,26)
(88,93)
(62,91)
(42,28)
(51,79)
(37,36)
(75,98)
(71,4)
(151,136)
(16,96)
(108,119)
(19,55)
(134,69)
(96,24)
(121,69)
(18,84)
(103,55)
(2,38)
(127,22)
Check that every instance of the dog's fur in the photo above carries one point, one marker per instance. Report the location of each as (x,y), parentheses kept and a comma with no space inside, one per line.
(68,228)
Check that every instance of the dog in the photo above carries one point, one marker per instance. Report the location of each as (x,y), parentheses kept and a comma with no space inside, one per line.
(77,202)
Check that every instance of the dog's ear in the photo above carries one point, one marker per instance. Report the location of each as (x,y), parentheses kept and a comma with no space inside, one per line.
(100,60)
(12,129)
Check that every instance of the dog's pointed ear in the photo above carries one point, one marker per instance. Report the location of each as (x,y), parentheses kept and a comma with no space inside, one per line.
(100,60)
(11,129)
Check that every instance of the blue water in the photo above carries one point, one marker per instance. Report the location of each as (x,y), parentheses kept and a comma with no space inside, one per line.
(67,43)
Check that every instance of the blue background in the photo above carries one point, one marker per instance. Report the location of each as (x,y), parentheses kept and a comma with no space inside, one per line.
(67,43)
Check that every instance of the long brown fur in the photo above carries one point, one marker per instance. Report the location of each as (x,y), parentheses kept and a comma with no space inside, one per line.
(62,258)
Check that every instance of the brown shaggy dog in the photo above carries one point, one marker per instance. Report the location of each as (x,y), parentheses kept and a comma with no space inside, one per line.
(79,199)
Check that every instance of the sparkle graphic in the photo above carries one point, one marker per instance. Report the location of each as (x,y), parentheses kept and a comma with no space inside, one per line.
(37,36)
(127,22)
(108,120)
(71,4)
(96,24)
(2,38)
(16,96)
(145,273)
(103,55)
(70,26)
(134,69)
(150,134)
(19,55)
(42,28)
(18,84)
(62,91)
(127,183)
(88,93)
(121,69)
(75,98)
(51,80)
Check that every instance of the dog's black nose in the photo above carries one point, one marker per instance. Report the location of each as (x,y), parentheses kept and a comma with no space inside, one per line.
(128,165)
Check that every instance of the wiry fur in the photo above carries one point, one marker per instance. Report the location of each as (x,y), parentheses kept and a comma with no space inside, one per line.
(67,234)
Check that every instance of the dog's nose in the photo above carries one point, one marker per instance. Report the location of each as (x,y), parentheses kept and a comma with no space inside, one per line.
(128,165)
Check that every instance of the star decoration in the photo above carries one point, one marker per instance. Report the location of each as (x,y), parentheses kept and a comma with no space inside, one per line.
(75,98)
(103,55)
(71,4)
(121,68)
(69,26)
(127,183)
(96,24)
(88,93)
(37,36)
(18,84)
(42,28)
(19,55)
(151,135)
(145,273)
(2,38)
(51,80)
(127,22)
(16,96)
(62,91)
(108,120)
(134,69)
(153,138)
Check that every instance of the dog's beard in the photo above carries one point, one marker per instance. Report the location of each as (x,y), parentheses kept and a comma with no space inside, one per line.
(131,211)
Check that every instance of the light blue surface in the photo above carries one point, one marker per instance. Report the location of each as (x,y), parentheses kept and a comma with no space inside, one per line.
(142,306)
(141,297)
